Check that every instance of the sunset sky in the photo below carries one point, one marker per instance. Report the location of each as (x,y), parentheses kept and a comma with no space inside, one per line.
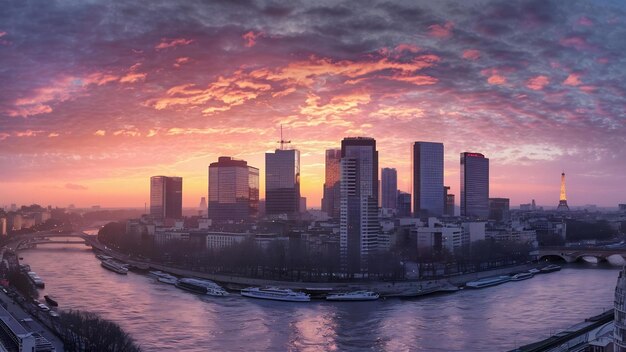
(97,96)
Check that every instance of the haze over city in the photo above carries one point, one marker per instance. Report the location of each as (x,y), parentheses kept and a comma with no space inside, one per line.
(96,98)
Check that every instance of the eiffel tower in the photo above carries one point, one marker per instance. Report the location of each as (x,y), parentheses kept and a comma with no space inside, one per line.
(563,199)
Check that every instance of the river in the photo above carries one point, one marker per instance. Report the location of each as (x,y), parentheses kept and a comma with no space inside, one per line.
(161,317)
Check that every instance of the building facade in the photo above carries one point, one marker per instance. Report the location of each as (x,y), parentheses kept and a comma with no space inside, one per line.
(166,197)
(428,191)
(619,329)
(282,182)
(499,209)
(404,204)
(474,185)
(233,190)
(332,192)
(359,223)
(389,188)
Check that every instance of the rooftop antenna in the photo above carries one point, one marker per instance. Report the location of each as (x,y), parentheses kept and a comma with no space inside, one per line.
(282,141)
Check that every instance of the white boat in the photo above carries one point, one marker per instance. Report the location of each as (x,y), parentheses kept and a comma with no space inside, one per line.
(277,294)
(205,287)
(522,276)
(113,266)
(103,257)
(550,268)
(534,271)
(353,296)
(164,277)
(168,280)
(488,281)
(36,279)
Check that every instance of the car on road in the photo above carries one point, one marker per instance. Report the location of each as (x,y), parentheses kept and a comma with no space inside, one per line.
(43,307)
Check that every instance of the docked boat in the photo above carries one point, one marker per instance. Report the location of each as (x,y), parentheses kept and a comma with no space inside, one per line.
(103,257)
(353,296)
(488,281)
(277,294)
(534,271)
(36,279)
(522,276)
(115,267)
(164,277)
(171,280)
(205,287)
(550,268)
(51,301)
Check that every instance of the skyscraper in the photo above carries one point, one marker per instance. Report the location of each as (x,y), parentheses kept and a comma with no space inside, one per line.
(282,182)
(233,190)
(359,225)
(389,188)
(474,185)
(166,197)
(428,179)
(332,192)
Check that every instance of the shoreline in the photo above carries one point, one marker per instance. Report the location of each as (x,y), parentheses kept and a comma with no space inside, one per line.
(405,288)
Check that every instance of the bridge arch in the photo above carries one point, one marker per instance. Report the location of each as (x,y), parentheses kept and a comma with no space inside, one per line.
(552,258)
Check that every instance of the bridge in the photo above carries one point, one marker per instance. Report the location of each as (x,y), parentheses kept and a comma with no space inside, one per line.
(574,254)
(49,238)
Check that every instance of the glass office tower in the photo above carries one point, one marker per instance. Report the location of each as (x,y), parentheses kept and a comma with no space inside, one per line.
(166,197)
(332,192)
(233,190)
(474,185)
(282,182)
(428,191)
(389,188)
(359,223)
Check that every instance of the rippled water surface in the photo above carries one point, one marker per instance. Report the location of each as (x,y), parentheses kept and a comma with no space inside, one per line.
(161,317)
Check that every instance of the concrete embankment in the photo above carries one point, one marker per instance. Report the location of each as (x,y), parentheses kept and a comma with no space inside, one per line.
(563,338)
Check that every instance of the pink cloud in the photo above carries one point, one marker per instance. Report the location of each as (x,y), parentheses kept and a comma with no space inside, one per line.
(572,80)
(28,133)
(170,43)
(588,89)
(133,77)
(471,54)
(251,38)
(441,31)
(180,61)
(537,83)
(579,43)
(585,21)
(2,41)
(602,60)
(493,76)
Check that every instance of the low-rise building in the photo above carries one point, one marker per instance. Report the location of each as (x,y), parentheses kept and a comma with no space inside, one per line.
(436,236)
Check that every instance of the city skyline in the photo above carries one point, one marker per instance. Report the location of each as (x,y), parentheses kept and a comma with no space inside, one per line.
(86,109)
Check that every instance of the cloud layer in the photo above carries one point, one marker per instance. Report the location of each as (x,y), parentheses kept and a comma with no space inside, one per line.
(143,88)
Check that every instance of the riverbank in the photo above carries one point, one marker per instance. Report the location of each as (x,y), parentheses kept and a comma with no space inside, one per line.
(408,288)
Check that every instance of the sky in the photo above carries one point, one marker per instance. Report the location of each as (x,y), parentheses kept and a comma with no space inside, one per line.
(97,96)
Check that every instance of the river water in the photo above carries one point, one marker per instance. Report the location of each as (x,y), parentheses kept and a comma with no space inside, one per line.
(161,317)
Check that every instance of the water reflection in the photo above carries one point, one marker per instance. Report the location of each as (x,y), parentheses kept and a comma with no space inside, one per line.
(163,318)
